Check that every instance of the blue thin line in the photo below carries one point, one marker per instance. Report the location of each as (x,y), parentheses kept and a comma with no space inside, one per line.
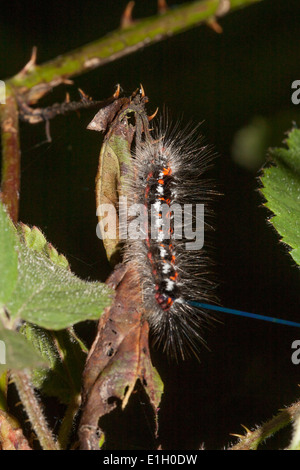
(245,314)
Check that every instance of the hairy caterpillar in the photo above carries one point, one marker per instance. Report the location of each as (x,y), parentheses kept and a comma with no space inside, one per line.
(168,172)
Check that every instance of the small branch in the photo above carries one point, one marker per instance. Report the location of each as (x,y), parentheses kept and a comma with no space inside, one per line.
(252,439)
(33,409)
(295,442)
(37,115)
(68,422)
(40,79)
(10,184)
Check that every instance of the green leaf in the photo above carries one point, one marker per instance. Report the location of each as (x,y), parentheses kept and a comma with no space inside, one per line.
(114,160)
(51,296)
(64,353)
(8,257)
(45,293)
(18,353)
(35,240)
(33,237)
(62,349)
(281,188)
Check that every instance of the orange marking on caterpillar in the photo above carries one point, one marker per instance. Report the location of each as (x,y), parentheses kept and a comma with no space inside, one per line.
(167,171)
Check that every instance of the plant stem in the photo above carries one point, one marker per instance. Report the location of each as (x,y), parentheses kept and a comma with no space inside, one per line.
(295,443)
(10,184)
(252,439)
(68,420)
(121,43)
(34,81)
(33,409)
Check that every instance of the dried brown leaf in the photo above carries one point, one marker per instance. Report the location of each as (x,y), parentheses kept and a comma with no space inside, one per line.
(118,359)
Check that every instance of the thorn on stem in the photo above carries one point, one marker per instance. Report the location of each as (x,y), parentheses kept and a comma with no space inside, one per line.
(67,81)
(246,429)
(214,25)
(83,96)
(30,64)
(126,18)
(162,6)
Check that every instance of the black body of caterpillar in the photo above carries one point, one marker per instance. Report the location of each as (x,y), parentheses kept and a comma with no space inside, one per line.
(169,170)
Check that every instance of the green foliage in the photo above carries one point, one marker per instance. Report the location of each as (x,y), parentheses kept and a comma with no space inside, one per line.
(281,188)
(8,258)
(37,286)
(52,297)
(66,357)
(250,144)
(19,353)
(35,240)
(45,292)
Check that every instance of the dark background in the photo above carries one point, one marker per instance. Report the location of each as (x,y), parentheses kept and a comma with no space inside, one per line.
(226,81)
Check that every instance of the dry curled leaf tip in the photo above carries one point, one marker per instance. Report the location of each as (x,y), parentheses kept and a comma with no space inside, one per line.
(142,91)
(153,115)
(117,92)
